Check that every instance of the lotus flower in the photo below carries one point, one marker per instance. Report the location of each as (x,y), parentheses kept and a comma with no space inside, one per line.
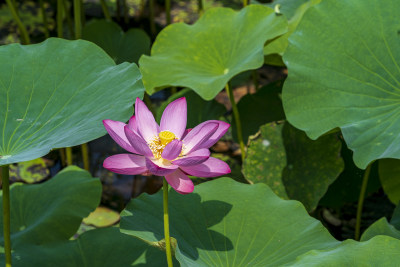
(167,150)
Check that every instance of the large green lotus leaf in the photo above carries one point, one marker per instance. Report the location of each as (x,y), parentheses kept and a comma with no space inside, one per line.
(47,212)
(97,248)
(379,251)
(206,55)
(122,47)
(226,223)
(287,7)
(343,73)
(380,227)
(294,166)
(258,109)
(389,174)
(56,93)
(199,110)
(294,11)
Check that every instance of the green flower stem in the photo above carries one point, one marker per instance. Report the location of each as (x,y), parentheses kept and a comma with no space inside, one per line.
(200,7)
(44,18)
(118,10)
(361,201)
(68,152)
(245,3)
(168,250)
(105,10)
(78,35)
(60,15)
(168,11)
(255,79)
(152,19)
(77,17)
(6,213)
(126,15)
(22,29)
(237,120)
(68,17)
(85,156)
(62,156)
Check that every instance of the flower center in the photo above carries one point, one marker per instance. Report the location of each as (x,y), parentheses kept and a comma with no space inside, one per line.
(159,142)
(166,137)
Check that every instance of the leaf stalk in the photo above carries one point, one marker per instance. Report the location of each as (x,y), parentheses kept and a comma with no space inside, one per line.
(6,213)
(236,117)
(22,29)
(361,201)
(168,250)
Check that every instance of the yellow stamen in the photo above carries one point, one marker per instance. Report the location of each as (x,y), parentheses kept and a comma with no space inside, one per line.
(166,137)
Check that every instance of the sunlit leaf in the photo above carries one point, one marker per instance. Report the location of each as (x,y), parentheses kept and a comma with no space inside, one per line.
(226,223)
(379,251)
(206,55)
(343,73)
(56,94)
(294,11)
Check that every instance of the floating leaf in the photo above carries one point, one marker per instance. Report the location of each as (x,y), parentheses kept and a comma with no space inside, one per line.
(389,174)
(199,110)
(68,88)
(293,165)
(346,74)
(29,171)
(102,217)
(206,55)
(122,47)
(226,223)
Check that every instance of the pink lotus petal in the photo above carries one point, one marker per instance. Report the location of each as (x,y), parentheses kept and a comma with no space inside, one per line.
(172,150)
(125,164)
(174,117)
(132,124)
(180,182)
(222,128)
(116,130)
(146,124)
(138,143)
(193,158)
(185,133)
(159,168)
(196,137)
(210,168)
